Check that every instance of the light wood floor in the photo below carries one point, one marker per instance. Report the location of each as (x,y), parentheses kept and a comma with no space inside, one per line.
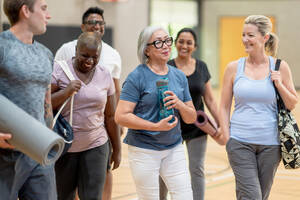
(219,177)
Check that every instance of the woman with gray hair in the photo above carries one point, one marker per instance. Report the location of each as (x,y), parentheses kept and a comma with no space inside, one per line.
(253,148)
(154,144)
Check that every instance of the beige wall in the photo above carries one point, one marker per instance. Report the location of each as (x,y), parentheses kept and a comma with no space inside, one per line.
(286,13)
(126,18)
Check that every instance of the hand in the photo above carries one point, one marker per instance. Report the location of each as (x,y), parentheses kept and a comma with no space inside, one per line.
(221,137)
(172,100)
(115,159)
(3,141)
(218,133)
(164,125)
(73,87)
(276,77)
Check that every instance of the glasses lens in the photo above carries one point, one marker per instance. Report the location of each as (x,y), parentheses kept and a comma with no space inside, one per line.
(169,41)
(158,44)
(95,22)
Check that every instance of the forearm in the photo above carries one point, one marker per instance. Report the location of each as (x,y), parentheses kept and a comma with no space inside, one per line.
(118,89)
(290,100)
(213,109)
(113,132)
(132,121)
(48,114)
(187,112)
(224,119)
(58,98)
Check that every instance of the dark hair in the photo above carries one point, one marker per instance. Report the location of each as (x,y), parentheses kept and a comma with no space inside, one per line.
(12,8)
(92,10)
(188,30)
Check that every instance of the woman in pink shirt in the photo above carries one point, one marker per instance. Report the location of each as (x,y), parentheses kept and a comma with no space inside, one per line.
(84,165)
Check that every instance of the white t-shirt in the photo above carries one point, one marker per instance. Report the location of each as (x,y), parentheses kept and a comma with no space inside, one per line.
(109,58)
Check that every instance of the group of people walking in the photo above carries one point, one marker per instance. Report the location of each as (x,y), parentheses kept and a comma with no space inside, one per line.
(32,79)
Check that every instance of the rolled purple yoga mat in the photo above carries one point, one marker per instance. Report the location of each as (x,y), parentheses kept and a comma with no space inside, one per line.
(206,124)
(29,135)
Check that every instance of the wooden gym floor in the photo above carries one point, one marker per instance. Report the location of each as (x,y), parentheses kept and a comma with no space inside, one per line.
(220,182)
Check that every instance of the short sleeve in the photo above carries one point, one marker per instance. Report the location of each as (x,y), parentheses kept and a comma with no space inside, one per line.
(116,72)
(130,89)
(205,71)
(186,92)
(65,52)
(111,86)
(55,74)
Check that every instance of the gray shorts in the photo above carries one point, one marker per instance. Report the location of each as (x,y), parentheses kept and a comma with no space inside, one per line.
(23,178)
(254,167)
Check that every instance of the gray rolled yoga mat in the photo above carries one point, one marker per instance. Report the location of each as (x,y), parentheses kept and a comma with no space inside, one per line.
(28,134)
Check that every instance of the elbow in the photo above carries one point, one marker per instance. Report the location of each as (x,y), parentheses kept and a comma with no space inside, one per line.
(117,118)
(293,104)
(191,119)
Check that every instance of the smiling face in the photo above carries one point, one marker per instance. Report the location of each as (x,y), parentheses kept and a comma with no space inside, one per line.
(185,44)
(94,23)
(158,54)
(252,39)
(87,57)
(38,18)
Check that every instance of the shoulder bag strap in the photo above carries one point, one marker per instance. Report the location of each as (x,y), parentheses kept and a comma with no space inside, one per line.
(280,103)
(63,64)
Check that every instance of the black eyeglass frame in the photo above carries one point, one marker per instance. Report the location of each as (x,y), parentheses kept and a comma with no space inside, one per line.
(162,43)
(94,22)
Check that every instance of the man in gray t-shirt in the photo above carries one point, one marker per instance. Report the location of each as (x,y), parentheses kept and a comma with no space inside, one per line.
(25,73)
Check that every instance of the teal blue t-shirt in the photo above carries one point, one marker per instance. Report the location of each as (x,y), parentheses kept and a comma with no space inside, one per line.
(140,88)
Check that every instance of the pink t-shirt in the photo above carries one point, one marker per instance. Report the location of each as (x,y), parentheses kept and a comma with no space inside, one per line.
(88,107)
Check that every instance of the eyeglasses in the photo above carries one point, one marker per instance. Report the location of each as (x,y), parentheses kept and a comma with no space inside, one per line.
(160,43)
(95,22)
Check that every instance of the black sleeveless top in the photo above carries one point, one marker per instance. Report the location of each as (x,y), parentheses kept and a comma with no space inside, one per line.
(197,82)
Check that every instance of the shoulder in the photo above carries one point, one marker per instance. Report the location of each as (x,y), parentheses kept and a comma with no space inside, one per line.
(283,64)
(176,71)
(138,71)
(104,70)
(178,74)
(6,39)
(44,49)
(108,49)
(284,68)
(67,45)
(172,62)
(200,63)
(232,66)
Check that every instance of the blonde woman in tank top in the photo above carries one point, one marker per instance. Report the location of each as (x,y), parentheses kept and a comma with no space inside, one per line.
(253,147)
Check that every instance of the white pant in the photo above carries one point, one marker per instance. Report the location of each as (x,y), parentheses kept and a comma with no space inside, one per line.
(146,166)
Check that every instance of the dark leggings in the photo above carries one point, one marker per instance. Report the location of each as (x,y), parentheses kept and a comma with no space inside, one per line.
(83,170)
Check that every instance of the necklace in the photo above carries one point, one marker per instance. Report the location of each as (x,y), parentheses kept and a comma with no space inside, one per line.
(159,70)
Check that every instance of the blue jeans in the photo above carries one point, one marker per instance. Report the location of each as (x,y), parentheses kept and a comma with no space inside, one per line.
(23,178)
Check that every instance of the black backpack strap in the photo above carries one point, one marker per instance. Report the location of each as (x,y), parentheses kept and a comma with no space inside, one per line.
(277,65)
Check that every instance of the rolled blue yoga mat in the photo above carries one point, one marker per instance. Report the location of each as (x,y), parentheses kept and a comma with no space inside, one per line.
(28,134)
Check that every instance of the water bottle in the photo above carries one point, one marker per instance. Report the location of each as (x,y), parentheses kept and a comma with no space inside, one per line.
(162,86)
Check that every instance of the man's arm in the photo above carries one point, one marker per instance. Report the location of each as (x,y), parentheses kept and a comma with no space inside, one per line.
(48,108)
